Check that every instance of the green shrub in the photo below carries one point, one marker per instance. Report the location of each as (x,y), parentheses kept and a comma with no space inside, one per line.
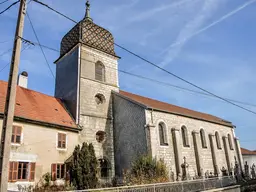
(84,167)
(146,170)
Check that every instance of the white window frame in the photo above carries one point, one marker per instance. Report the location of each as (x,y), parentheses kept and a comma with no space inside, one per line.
(189,138)
(22,135)
(62,149)
(167,134)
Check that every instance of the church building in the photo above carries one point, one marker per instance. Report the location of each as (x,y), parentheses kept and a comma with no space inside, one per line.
(88,106)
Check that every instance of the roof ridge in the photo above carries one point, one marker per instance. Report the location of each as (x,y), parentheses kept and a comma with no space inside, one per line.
(27,89)
(174,105)
(37,106)
(178,108)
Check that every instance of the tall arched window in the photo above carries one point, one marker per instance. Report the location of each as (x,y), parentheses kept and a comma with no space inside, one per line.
(203,139)
(217,137)
(99,71)
(162,134)
(184,133)
(230,142)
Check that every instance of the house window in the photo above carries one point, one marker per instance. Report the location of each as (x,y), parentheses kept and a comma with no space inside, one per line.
(203,140)
(21,171)
(62,140)
(217,137)
(58,171)
(99,71)
(16,134)
(162,134)
(230,142)
(184,133)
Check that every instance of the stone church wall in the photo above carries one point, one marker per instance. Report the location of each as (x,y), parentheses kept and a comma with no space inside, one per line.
(129,133)
(67,80)
(167,152)
(95,117)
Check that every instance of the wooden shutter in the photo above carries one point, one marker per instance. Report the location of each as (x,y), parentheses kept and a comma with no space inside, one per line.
(10,171)
(15,171)
(54,170)
(32,171)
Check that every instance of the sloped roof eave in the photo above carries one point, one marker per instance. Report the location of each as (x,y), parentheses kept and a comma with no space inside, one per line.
(190,116)
(130,97)
(44,123)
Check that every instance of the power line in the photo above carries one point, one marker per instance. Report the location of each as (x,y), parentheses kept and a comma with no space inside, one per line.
(4,41)
(55,10)
(40,45)
(9,7)
(9,63)
(4,67)
(3,2)
(155,65)
(9,50)
(149,79)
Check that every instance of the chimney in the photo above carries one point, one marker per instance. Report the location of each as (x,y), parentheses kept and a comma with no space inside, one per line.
(23,79)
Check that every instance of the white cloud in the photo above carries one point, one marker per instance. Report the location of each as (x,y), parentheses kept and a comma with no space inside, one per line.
(193,28)
(208,9)
(153,12)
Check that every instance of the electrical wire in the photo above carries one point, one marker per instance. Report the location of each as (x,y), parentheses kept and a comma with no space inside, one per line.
(9,50)
(38,42)
(147,78)
(155,65)
(25,48)
(9,7)
(3,2)
(5,41)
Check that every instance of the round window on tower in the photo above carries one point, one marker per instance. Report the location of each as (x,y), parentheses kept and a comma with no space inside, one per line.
(100,136)
(99,98)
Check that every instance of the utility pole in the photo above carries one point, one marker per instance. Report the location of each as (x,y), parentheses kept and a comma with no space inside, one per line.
(10,100)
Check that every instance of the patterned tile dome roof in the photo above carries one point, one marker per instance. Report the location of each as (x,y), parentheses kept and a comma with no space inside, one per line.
(90,34)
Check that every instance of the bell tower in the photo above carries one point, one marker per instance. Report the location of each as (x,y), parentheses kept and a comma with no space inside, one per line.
(86,75)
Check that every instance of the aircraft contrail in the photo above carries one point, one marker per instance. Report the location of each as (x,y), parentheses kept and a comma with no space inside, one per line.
(212,24)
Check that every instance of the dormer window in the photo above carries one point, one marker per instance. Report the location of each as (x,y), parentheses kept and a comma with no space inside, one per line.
(99,71)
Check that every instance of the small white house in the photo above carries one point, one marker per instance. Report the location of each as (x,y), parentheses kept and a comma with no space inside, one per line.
(248,156)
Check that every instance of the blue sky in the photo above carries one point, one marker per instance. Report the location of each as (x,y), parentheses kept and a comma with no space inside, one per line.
(208,42)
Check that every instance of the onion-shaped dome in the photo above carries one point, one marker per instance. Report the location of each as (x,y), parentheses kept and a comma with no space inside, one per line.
(90,34)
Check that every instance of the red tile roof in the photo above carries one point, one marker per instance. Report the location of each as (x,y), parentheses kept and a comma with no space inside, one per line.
(158,105)
(247,152)
(37,106)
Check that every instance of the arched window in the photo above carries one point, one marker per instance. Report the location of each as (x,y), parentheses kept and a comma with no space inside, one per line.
(162,134)
(104,168)
(217,137)
(203,140)
(99,71)
(230,142)
(184,133)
